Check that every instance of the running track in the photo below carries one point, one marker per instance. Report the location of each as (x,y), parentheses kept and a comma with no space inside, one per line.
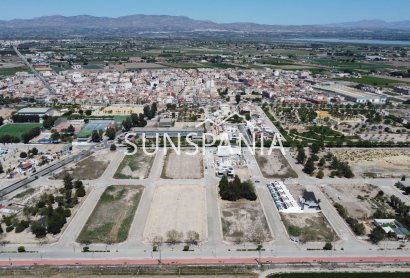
(203,261)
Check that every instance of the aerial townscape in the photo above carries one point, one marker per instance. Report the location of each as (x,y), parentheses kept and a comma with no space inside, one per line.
(164,145)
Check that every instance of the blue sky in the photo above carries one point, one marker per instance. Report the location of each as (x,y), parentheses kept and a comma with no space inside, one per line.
(258,11)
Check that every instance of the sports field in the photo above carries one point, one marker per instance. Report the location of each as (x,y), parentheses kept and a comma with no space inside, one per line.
(17,129)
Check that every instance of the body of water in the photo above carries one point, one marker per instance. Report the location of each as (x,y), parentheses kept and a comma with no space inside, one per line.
(336,40)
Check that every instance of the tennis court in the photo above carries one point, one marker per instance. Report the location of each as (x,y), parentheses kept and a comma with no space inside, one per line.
(88,129)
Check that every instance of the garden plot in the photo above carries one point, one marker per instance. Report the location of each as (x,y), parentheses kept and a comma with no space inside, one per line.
(183,166)
(135,166)
(356,198)
(112,217)
(377,162)
(275,165)
(244,220)
(177,207)
(89,168)
(308,227)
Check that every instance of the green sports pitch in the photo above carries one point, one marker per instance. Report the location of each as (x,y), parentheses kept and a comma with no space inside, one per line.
(17,129)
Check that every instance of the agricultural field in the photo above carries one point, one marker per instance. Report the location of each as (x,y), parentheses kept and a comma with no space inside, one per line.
(12,71)
(135,166)
(274,165)
(112,217)
(183,166)
(177,207)
(244,220)
(17,129)
(376,162)
(374,81)
(308,227)
(90,168)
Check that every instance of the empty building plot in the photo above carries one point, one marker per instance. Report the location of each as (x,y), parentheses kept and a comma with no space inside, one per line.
(274,165)
(89,168)
(244,221)
(305,227)
(379,163)
(180,208)
(135,166)
(111,219)
(183,165)
(358,199)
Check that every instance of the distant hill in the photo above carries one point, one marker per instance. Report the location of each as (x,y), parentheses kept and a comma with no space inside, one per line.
(85,25)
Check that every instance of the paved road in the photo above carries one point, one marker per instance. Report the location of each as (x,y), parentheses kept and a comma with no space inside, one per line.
(214,249)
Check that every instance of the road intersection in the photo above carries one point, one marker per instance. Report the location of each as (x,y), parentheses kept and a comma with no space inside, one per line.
(349,247)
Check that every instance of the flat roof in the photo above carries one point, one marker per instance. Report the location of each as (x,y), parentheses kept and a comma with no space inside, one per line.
(347,91)
(34,110)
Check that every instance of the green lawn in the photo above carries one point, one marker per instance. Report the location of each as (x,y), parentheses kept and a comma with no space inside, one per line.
(12,71)
(374,81)
(17,129)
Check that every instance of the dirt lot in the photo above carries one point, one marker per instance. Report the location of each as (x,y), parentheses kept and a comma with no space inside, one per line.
(5,113)
(182,166)
(135,166)
(90,168)
(355,198)
(242,172)
(296,190)
(308,226)
(112,217)
(177,207)
(274,165)
(377,162)
(244,220)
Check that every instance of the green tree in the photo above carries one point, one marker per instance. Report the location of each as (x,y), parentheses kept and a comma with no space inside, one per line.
(88,112)
(301,156)
(237,98)
(309,166)
(55,136)
(377,235)
(23,155)
(328,246)
(70,129)
(113,147)
(322,162)
(127,124)
(110,133)
(95,136)
(68,181)
(34,151)
(315,147)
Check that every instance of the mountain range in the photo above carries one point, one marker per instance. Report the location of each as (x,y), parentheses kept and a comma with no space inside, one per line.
(87,25)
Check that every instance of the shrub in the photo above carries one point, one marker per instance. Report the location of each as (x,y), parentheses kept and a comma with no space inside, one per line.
(21,226)
(186,248)
(21,249)
(328,246)
(9,229)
